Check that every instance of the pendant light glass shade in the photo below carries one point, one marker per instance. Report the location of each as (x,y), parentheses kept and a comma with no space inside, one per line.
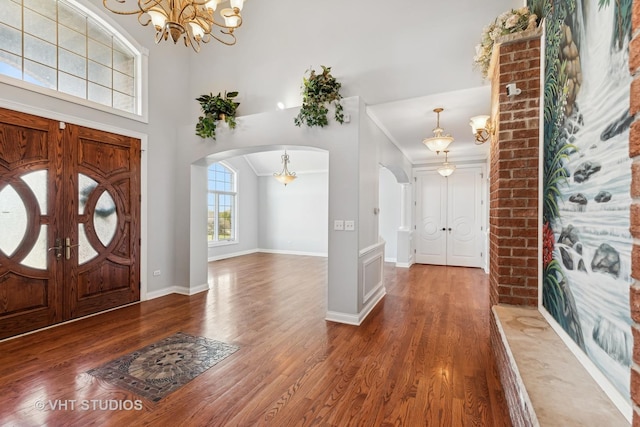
(447,168)
(438,142)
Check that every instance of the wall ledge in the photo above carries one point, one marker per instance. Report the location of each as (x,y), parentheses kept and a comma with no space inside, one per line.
(551,385)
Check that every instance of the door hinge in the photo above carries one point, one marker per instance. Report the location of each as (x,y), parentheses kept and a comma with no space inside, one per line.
(480,254)
(62,125)
(481,175)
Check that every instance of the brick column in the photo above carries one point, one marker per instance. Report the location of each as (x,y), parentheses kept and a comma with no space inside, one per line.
(513,213)
(634,153)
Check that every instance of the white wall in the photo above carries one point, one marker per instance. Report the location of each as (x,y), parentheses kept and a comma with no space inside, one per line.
(341,141)
(248,212)
(390,213)
(167,106)
(294,218)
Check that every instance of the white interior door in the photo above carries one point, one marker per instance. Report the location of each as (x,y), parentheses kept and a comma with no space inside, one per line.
(464,217)
(431,218)
(449,217)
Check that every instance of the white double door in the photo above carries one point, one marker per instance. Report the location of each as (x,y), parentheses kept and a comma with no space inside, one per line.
(449,220)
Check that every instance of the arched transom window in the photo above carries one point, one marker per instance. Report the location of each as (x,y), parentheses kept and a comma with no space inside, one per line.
(221,203)
(59,45)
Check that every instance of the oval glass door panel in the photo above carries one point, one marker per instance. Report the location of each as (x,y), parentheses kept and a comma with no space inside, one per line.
(105,218)
(37,258)
(37,182)
(85,250)
(86,186)
(13,220)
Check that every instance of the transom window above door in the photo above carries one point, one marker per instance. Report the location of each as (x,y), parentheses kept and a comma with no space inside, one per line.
(60,46)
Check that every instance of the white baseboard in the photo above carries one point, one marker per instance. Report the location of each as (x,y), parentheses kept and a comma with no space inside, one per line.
(266,251)
(393,260)
(233,254)
(181,290)
(403,265)
(353,319)
(373,301)
(285,252)
(349,319)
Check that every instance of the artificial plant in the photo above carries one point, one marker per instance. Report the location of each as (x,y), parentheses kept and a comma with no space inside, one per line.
(214,108)
(318,92)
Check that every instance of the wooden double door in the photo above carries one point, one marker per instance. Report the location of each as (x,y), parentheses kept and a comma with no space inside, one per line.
(69,221)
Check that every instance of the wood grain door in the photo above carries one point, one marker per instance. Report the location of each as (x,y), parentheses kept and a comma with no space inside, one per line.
(30,214)
(102,237)
(69,221)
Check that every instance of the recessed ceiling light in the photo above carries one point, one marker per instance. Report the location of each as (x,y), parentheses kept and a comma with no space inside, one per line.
(280,105)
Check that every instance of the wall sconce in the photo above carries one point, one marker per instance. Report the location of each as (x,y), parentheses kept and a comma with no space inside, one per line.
(482,128)
(285,177)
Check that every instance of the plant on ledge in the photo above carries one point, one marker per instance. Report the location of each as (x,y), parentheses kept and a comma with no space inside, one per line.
(318,91)
(513,21)
(216,108)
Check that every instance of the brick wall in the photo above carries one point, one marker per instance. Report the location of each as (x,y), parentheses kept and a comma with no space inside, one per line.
(513,213)
(518,412)
(634,153)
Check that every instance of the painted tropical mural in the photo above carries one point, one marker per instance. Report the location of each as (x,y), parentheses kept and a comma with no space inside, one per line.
(587,177)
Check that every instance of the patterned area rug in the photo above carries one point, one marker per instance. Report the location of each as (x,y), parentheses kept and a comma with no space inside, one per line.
(163,367)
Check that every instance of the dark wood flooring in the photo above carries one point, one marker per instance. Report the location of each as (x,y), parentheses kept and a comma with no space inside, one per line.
(421,358)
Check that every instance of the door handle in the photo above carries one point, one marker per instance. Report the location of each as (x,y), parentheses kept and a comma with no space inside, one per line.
(68,246)
(57,248)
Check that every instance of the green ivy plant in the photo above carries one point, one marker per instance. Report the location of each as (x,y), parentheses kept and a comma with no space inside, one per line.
(216,108)
(319,91)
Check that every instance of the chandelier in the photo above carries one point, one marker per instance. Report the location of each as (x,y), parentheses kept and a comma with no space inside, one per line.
(438,142)
(285,177)
(192,20)
(447,168)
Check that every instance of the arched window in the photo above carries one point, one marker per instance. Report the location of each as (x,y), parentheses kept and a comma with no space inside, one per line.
(61,46)
(221,203)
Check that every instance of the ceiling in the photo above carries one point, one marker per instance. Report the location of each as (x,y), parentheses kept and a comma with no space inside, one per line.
(403,59)
(407,122)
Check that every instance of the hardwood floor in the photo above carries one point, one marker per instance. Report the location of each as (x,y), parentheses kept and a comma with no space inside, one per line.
(421,358)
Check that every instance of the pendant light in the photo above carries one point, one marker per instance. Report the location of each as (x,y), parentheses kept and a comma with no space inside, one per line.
(285,177)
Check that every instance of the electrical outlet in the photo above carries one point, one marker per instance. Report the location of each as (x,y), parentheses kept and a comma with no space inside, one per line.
(349,225)
(338,225)
(156,273)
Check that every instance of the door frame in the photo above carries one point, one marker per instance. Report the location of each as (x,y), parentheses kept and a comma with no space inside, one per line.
(484,210)
(143,137)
